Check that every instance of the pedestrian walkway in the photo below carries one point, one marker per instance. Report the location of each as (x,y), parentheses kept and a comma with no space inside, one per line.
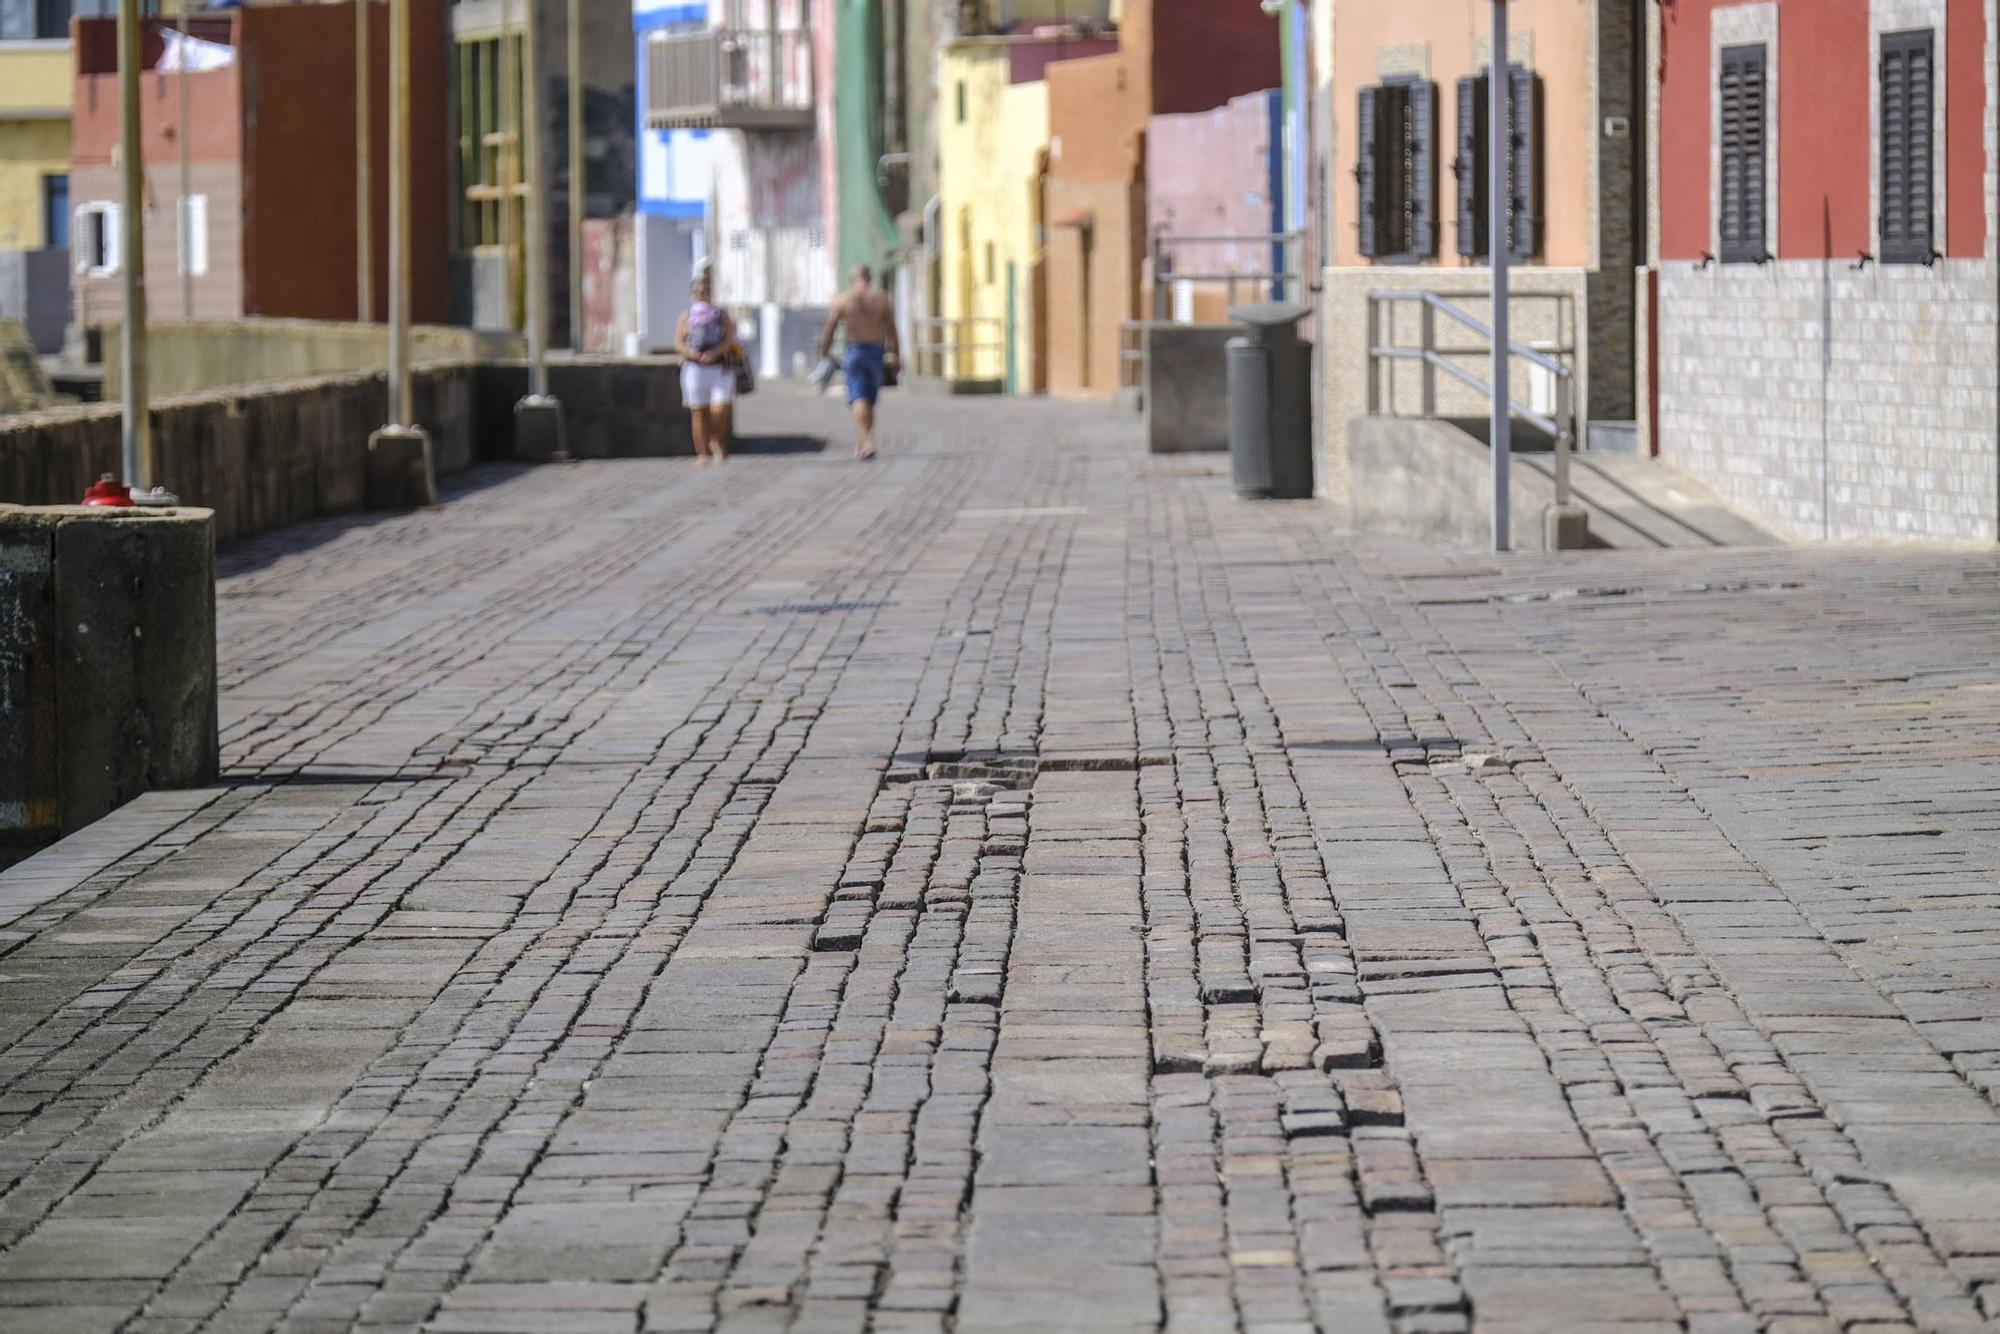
(1015,885)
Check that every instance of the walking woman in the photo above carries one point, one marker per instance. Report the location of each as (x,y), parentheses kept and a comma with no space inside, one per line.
(708,381)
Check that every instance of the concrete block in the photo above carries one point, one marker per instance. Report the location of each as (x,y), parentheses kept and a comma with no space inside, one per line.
(1432,481)
(1185,389)
(539,433)
(401,474)
(107,641)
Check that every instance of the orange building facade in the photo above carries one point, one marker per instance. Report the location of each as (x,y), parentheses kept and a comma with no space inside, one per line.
(1173,56)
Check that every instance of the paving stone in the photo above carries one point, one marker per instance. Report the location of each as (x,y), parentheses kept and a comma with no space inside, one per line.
(1018,885)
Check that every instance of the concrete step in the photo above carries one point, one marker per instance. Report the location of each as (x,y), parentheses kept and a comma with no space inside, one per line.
(1429,479)
(1636,501)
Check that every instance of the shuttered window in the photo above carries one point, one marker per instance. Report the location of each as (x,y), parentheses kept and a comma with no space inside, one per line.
(1744,96)
(1908,102)
(1396,171)
(1523,164)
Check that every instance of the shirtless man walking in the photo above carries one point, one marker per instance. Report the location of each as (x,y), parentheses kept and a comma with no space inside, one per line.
(870,317)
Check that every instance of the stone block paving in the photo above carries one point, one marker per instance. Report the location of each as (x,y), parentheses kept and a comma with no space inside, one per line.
(1015,885)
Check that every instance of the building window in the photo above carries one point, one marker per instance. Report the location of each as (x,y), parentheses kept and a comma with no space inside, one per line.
(959,95)
(29,20)
(1744,93)
(1523,164)
(1908,103)
(97,240)
(193,235)
(55,211)
(1396,171)
(487,169)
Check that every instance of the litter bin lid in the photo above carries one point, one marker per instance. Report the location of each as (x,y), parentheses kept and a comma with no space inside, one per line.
(1269,316)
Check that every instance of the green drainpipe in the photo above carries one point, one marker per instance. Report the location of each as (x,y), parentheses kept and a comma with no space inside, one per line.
(867,232)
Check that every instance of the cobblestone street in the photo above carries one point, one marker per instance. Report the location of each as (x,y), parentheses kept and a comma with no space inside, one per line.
(1016,885)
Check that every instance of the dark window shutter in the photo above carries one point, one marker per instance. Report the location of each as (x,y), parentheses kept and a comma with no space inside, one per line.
(1420,235)
(1740,210)
(1470,166)
(1366,173)
(1908,90)
(1523,164)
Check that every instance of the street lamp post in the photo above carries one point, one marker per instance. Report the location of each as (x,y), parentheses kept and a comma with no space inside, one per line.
(402,412)
(401,474)
(136,428)
(185,229)
(534,224)
(1498,195)
(364,203)
(538,418)
(577,175)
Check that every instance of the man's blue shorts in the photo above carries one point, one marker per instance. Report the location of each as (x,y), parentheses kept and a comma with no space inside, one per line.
(867,366)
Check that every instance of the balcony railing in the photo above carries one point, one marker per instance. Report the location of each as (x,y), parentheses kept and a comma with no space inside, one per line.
(730,79)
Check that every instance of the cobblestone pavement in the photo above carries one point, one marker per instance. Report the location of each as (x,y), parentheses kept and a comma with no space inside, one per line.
(1015,885)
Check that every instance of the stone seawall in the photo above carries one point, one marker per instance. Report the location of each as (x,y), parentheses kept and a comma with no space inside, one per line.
(266,455)
(260,457)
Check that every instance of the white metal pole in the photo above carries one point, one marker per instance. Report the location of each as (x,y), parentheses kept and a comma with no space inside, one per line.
(1497,195)
(364,162)
(402,410)
(135,431)
(535,226)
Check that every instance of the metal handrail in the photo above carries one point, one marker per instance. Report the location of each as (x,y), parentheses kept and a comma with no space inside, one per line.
(1484,330)
(1288,273)
(1563,427)
(1131,355)
(949,346)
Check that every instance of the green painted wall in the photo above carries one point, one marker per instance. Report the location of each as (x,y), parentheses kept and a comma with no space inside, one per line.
(867,232)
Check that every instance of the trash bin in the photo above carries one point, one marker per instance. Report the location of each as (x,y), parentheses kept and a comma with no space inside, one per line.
(1270,402)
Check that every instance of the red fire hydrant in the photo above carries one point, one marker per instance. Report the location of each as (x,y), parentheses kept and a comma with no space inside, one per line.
(107,491)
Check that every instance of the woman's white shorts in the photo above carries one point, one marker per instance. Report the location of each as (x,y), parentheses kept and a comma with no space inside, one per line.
(706,386)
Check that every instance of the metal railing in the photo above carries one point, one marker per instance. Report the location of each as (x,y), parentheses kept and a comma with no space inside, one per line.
(1261,265)
(1131,355)
(730,78)
(959,347)
(1557,362)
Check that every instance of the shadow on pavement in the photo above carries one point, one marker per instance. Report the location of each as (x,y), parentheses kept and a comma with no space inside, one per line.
(778,444)
(261,549)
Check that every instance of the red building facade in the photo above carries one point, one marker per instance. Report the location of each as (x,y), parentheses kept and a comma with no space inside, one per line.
(1824,349)
(268,227)
(1824,68)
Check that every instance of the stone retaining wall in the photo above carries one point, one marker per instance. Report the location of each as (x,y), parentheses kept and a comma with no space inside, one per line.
(260,458)
(272,454)
(191,358)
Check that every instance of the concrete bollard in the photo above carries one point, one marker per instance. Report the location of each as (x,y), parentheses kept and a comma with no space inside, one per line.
(1565,528)
(401,473)
(107,662)
(540,435)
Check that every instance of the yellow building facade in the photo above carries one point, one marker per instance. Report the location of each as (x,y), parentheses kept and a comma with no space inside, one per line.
(36,79)
(992,146)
